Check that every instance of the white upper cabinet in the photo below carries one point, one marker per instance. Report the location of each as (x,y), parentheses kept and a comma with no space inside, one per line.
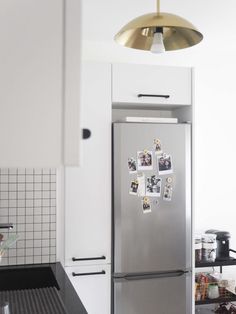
(34,128)
(88,188)
(151,85)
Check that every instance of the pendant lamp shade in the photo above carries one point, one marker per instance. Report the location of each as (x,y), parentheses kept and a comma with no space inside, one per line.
(178,33)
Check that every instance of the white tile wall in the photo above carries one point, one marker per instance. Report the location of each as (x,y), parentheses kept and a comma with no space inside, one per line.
(28,200)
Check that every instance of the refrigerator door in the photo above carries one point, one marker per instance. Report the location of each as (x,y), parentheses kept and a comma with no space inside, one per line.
(161,239)
(158,295)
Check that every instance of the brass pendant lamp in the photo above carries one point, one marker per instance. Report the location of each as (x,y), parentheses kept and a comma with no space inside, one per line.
(158,32)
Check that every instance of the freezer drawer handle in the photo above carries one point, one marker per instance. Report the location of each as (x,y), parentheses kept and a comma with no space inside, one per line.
(153,95)
(89,274)
(157,275)
(74,259)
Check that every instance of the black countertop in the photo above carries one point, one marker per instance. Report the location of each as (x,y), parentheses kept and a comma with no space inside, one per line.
(66,290)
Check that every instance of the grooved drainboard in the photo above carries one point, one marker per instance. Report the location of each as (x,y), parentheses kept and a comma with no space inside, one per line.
(33,301)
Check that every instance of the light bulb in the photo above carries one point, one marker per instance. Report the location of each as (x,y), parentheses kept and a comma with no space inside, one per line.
(157,44)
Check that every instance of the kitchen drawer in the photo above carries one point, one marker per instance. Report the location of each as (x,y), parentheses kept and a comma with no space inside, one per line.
(161,86)
(94,290)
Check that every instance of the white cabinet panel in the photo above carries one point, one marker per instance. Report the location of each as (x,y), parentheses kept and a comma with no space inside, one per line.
(31,82)
(94,290)
(88,189)
(32,113)
(131,80)
(72,131)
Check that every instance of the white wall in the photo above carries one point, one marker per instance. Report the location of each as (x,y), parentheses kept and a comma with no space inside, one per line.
(215,90)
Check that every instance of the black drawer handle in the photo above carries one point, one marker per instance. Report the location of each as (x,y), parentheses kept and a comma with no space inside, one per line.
(74,259)
(152,95)
(89,274)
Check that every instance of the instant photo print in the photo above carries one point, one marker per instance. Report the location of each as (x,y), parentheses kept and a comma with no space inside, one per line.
(157,146)
(146,205)
(145,160)
(141,184)
(164,164)
(134,187)
(153,186)
(132,165)
(168,191)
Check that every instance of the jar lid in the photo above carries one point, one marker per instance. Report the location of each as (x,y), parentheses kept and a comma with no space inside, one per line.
(222,235)
(208,237)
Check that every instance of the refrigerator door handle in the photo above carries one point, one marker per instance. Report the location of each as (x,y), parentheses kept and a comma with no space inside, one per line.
(177,273)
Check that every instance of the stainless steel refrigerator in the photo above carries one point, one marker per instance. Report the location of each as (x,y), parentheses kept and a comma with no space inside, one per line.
(152,251)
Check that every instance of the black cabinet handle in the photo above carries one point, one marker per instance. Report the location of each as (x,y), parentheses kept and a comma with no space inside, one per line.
(89,274)
(86,133)
(152,95)
(74,259)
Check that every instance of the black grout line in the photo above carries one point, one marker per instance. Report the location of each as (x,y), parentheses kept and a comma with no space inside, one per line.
(27,199)
(20,197)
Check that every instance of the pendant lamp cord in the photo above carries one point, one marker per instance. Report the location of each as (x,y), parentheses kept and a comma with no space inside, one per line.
(158,6)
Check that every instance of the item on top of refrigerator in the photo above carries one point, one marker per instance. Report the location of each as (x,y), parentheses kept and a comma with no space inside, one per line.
(151,119)
(209,247)
(132,165)
(144,160)
(198,248)
(164,164)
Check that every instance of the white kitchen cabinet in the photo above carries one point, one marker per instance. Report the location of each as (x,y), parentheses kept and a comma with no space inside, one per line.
(88,188)
(93,285)
(39,113)
(142,85)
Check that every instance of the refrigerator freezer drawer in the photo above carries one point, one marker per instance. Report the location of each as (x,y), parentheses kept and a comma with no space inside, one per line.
(170,295)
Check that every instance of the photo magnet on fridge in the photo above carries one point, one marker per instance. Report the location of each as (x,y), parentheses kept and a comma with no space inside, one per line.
(132,165)
(164,164)
(169,180)
(168,191)
(146,205)
(134,187)
(157,146)
(141,184)
(153,187)
(145,160)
